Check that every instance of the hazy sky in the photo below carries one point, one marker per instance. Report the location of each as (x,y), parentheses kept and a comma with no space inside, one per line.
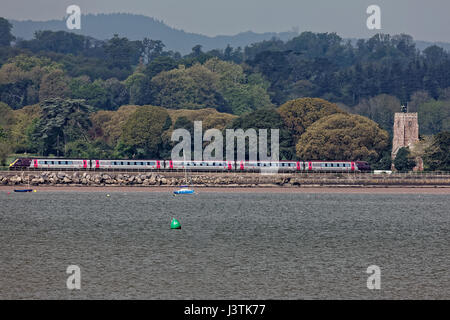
(424,20)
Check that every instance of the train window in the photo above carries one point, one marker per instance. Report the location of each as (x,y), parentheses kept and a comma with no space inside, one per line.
(121,163)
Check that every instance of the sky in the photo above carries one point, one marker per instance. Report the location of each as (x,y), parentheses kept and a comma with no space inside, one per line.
(424,20)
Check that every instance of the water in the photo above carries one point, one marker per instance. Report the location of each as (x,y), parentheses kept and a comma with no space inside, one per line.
(231,245)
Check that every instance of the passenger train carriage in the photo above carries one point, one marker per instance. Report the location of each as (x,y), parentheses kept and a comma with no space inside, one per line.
(148,165)
(200,165)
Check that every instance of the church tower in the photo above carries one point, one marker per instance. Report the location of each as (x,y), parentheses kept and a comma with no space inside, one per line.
(406,130)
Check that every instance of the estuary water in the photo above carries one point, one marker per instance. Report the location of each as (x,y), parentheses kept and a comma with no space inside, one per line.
(231,246)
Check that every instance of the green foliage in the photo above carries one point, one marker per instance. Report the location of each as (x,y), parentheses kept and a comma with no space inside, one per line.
(5,147)
(160,64)
(437,156)
(343,136)
(62,121)
(403,160)
(380,109)
(192,88)
(5,32)
(5,150)
(434,117)
(267,118)
(121,52)
(299,114)
(139,88)
(240,92)
(54,85)
(142,132)
(20,79)
(88,149)
(94,93)
(57,41)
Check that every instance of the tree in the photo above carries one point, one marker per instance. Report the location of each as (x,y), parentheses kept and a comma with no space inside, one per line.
(107,125)
(139,88)
(94,93)
(62,121)
(151,49)
(88,149)
(5,150)
(23,127)
(403,160)
(240,92)
(380,109)
(437,156)
(116,92)
(192,88)
(160,64)
(267,118)
(121,52)
(343,137)
(54,85)
(143,131)
(299,114)
(434,117)
(5,32)
(21,77)
(5,146)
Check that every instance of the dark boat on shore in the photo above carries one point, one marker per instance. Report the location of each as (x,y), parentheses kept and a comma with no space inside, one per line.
(23,190)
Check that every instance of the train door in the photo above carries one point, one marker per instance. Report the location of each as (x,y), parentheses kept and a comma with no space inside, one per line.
(158,164)
(35,163)
(241,165)
(353,166)
(310,166)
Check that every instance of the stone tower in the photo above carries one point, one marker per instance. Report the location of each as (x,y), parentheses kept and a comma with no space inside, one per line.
(406,131)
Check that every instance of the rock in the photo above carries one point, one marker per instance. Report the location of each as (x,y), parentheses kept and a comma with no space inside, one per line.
(67,180)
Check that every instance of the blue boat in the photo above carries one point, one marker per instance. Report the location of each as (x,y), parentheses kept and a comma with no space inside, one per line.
(23,190)
(184,190)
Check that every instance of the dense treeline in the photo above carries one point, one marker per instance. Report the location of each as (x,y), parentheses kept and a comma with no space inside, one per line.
(71,95)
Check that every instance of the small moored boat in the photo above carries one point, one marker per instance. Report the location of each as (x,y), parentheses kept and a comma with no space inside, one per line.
(184,190)
(23,190)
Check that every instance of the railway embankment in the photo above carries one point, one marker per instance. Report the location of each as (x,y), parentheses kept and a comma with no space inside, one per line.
(220,179)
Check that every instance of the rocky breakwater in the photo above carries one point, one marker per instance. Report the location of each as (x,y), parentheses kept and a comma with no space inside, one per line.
(136,179)
(215,179)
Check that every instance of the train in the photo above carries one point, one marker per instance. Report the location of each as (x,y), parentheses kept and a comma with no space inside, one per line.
(173,165)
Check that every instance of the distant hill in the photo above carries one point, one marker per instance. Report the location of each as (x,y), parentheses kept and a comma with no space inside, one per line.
(137,27)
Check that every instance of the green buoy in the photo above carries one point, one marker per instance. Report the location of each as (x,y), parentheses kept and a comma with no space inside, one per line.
(175,224)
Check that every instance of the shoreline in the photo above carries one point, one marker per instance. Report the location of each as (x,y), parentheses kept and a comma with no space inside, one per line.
(441,190)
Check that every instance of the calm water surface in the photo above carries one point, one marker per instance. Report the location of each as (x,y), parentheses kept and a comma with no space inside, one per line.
(231,246)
